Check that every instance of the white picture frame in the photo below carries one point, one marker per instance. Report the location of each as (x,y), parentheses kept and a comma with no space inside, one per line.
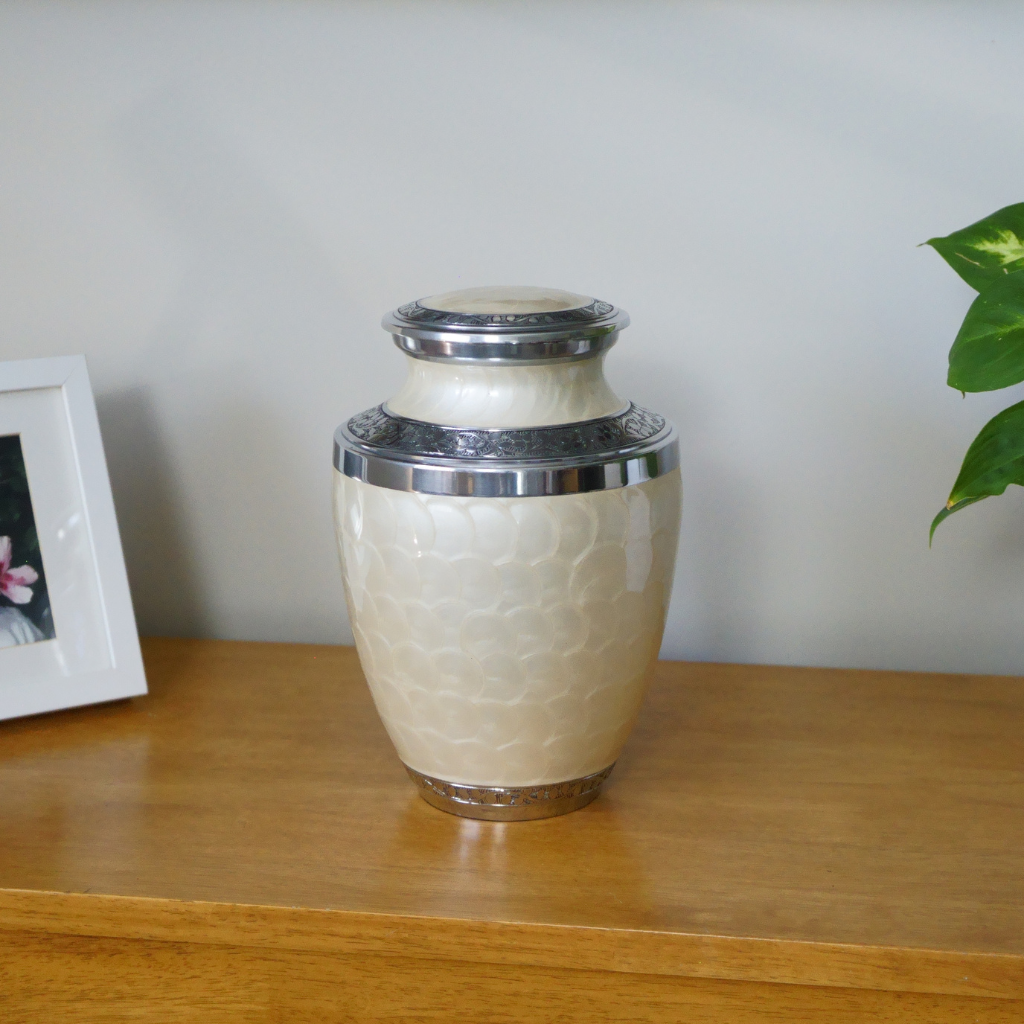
(86,650)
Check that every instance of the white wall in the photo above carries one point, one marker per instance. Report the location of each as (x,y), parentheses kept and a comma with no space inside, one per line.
(217,201)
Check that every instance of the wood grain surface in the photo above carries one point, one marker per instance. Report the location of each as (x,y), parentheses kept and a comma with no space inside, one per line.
(775,844)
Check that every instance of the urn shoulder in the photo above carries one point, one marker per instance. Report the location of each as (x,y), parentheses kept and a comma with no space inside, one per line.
(505,395)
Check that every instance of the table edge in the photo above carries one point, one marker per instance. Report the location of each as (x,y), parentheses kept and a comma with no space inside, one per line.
(575,947)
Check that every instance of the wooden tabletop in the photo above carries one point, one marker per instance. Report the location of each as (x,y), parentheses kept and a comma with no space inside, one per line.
(850,830)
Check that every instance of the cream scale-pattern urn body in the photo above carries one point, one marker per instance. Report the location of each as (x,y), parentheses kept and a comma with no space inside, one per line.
(508,529)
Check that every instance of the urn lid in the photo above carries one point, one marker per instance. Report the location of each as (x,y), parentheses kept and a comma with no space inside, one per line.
(506,324)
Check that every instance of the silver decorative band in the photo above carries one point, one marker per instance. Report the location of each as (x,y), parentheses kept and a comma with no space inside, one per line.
(473,348)
(490,482)
(509,803)
(381,428)
(597,455)
(505,338)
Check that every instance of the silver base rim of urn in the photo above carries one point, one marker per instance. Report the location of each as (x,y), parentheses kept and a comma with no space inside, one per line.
(509,803)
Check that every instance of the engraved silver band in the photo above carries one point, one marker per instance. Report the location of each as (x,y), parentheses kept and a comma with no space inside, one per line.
(617,459)
(509,803)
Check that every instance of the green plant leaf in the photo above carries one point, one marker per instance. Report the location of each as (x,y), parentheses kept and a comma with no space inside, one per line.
(987,250)
(988,353)
(994,460)
(947,512)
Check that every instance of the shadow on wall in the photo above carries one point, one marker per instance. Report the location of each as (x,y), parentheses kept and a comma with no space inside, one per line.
(162,567)
(720,568)
(242,363)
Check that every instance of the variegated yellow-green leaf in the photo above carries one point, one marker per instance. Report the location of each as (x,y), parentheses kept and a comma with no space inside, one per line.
(983,252)
(988,353)
(993,462)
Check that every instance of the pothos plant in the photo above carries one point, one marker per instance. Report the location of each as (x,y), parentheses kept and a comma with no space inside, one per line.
(988,353)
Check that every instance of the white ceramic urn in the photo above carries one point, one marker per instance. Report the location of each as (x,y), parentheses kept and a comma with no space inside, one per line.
(507,527)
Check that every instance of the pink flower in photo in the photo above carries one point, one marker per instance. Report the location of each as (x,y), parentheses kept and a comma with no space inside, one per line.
(14,582)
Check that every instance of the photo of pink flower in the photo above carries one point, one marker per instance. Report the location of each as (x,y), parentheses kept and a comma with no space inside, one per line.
(15,584)
(25,615)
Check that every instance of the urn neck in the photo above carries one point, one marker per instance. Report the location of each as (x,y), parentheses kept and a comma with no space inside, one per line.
(535,395)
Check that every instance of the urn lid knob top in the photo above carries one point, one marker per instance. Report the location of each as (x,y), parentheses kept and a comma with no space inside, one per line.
(506,324)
